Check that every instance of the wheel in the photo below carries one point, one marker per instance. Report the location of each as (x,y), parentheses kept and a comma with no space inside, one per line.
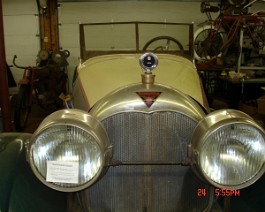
(207,43)
(170,44)
(22,108)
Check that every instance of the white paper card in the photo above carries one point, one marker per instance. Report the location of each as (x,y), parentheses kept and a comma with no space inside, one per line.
(62,172)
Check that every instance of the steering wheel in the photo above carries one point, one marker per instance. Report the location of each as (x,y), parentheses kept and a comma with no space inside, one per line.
(165,47)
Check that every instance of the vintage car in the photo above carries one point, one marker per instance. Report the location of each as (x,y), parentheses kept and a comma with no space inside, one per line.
(137,135)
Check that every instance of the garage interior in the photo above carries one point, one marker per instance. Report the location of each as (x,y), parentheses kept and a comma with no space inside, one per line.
(34,30)
(52,26)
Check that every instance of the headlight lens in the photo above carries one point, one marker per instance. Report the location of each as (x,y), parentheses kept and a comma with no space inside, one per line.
(233,154)
(69,150)
(229,149)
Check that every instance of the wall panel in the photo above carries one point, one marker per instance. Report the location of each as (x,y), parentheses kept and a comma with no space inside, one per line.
(21,27)
(73,13)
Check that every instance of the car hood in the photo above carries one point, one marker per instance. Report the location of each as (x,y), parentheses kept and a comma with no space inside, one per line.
(100,75)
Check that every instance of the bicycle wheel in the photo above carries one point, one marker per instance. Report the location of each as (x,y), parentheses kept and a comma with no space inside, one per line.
(22,108)
(207,43)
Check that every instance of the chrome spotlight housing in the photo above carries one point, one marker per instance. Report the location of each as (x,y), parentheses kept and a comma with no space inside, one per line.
(69,151)
(228,149)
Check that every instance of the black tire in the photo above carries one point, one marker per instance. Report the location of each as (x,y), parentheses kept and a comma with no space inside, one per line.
(167,38)
(22,108)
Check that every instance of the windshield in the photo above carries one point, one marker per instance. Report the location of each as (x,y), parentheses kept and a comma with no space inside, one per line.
(129,37)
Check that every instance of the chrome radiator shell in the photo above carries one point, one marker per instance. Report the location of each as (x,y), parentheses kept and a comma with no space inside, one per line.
(127,99)
(141,135)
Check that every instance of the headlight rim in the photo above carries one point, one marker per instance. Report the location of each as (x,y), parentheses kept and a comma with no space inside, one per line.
(101,140)
(237,117)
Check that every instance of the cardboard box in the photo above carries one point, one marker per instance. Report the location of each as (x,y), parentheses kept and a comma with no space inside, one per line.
(261,105)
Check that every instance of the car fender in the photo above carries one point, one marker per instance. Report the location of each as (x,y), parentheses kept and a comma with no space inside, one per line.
(19,188)
(11,146)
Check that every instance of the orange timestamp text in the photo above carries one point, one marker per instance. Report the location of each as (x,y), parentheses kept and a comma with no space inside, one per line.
(219,192)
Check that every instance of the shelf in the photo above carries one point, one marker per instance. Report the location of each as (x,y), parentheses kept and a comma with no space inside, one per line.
(251,68)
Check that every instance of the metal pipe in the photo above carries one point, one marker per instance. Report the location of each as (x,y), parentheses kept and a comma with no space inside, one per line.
(4,96)
(249,4)
(239,60)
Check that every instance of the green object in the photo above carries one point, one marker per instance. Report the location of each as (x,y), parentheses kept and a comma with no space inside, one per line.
(20,190)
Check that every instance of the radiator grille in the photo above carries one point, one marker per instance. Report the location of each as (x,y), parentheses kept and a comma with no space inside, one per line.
(161,136)
(156,137)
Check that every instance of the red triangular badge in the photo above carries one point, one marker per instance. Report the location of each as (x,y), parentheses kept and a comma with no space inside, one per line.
(148,97)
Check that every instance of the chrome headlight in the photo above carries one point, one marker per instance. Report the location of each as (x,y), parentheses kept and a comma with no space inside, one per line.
(228,149)
(69,150)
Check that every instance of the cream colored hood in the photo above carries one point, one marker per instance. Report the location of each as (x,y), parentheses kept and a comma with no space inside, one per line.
(99,76)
